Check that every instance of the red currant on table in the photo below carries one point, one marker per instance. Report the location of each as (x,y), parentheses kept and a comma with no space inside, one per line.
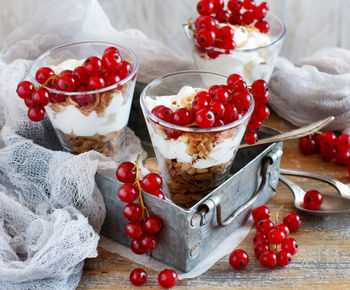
(151,182)
(260,248)
(43,73)
(167,278)
(259,237)
(292,221)
(138,277)
(283,228)
(25,89)
(328,153)
(284,258)
(36,113)
(126,172)
(268,259)
(261,212)
(152,224)
(264,226)
(132,212)
(290,245)
(276,236)
(134,230)
(327,139)
(128,193)
(307,145)
(313,200)
(342,157)
(239,259)
(343,142)
(137,248)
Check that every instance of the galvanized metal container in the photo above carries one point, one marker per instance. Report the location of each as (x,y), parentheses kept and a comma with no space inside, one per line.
(189,235)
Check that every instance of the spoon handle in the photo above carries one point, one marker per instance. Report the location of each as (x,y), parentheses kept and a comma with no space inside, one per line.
(297,133)
(298,192)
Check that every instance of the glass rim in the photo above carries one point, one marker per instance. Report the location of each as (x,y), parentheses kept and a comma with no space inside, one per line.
(278,39)
(105,89)
(184,128)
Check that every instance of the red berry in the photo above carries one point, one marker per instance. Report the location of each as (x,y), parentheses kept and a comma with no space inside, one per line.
(134,230)
(156,108)
(268,259)
(327,139)
(205,7)
(151,182)
(25,90)
(165,114)
(36,113)
(343,142)
(292,221)
(111,61)
(265,5)
(126,172)
(283,228)
(259,237)
(250,137)
(205,118)
(262,100)
(206,22)
(238,259)
(218,5)
(158,193)
(111,49)
(276,236)
(152,224)
(342,158)
(66,72)
(96,83)
(218,109)
(284,258)
(227,44)
(29,103)
(230,114)
(248,17)
(200,101)
(254,124)
(220,95)
(260,248)
(66,83)
(41,97)
(173,134)
(249,4)
(232,79)
(137,248)
(234,5)
(259,12)
(218,123)
(43,73)
(242,101)
(236,18)
(328,153)
(112,79)
(212,89)
(264,226)
(225,32)
(261,212)
(128,193)
(182,117)
(205,37)
(57,98)
(124,70)
(223,16)
(149,242)
(132,212)
(290,245)
(81,74)
(263,26)
(261,113)
(259,88)
(307,145)
(239,86)
(167,278)
(313,200)
(93,65)
(138,277)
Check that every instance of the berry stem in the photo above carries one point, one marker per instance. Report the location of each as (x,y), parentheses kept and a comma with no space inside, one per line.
(50,78)
(188,23)
(277,214)
(137,181)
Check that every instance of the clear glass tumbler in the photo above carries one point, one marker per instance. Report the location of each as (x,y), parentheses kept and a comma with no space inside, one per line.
(193,161)
(89,120)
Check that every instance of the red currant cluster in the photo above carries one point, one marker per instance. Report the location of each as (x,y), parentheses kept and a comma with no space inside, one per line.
(94,74)
(141,229)
(271,245)
(212,12)
(329,146)
(221,105)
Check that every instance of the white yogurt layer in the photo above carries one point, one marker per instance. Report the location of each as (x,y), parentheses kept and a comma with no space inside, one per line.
(251,65)
(177,149)
(70,120)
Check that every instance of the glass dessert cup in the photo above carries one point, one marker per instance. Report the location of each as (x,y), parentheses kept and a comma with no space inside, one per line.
(251,64)
(99,125)
(193,161)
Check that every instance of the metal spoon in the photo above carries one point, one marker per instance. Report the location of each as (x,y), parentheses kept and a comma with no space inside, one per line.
(332,204)
(297,133)
(344,189)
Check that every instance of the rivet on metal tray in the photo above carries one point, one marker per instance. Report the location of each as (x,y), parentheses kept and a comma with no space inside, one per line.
(195,250)
(196,220)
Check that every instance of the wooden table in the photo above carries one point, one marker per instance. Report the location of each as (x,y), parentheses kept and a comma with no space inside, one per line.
(323,259)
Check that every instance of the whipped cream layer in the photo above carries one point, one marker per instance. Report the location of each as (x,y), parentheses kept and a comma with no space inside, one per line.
(251,65)
(70,120)
(221,152)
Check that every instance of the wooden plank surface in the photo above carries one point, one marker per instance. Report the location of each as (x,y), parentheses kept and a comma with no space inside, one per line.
(322,262)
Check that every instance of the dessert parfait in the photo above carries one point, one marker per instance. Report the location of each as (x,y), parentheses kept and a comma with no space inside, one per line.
(196,129)
(241,38)
(86,89)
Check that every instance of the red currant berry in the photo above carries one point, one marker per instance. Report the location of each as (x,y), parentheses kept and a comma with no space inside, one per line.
(242,101)
(264,226)
(167,278)
(238,259)
(223,16)
(230,114)
(234,5)
(260,248)
(182,117)
(218,5)
(205,7)
(41,97)
(328,153)
(138,277)
(259,12)
(128,193)
(239,86)
(29,103)
(263,26)
(254,124)
(259,88)
(313,200)
(261,113)
(259,237)
(158,193)
(25,90)
(111,49)
(93,65)
(224,33)
(236,18)
(268,259)
(172,134)
(66,83)
(43,74)
(283,228)
(342,158)
(212,89)
(290,245)
(96,83)
(151,182)
(220,95)
(205,118)
(126,172)
(200,102)
(262,100)
(36,113)
(132,212)
(265,5)
(137,248)
(292,221)
(124,70)
(218,123)
(156,108)
(327,139)
(134,230)
(84,100)
(249,4)
(206,22)
(284,258)
(307,145)
(165,114)
(149,242)
(276,236)
(250,137)
(248,17)
(152,224)
(111,61)
(66,72)
(343,142)
(232,79)
(205,37)
(112,79)
(57,98)
(81,74)
(218,109)
(261,212)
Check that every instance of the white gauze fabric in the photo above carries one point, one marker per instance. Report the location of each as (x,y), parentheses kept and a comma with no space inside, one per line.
(315,88)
